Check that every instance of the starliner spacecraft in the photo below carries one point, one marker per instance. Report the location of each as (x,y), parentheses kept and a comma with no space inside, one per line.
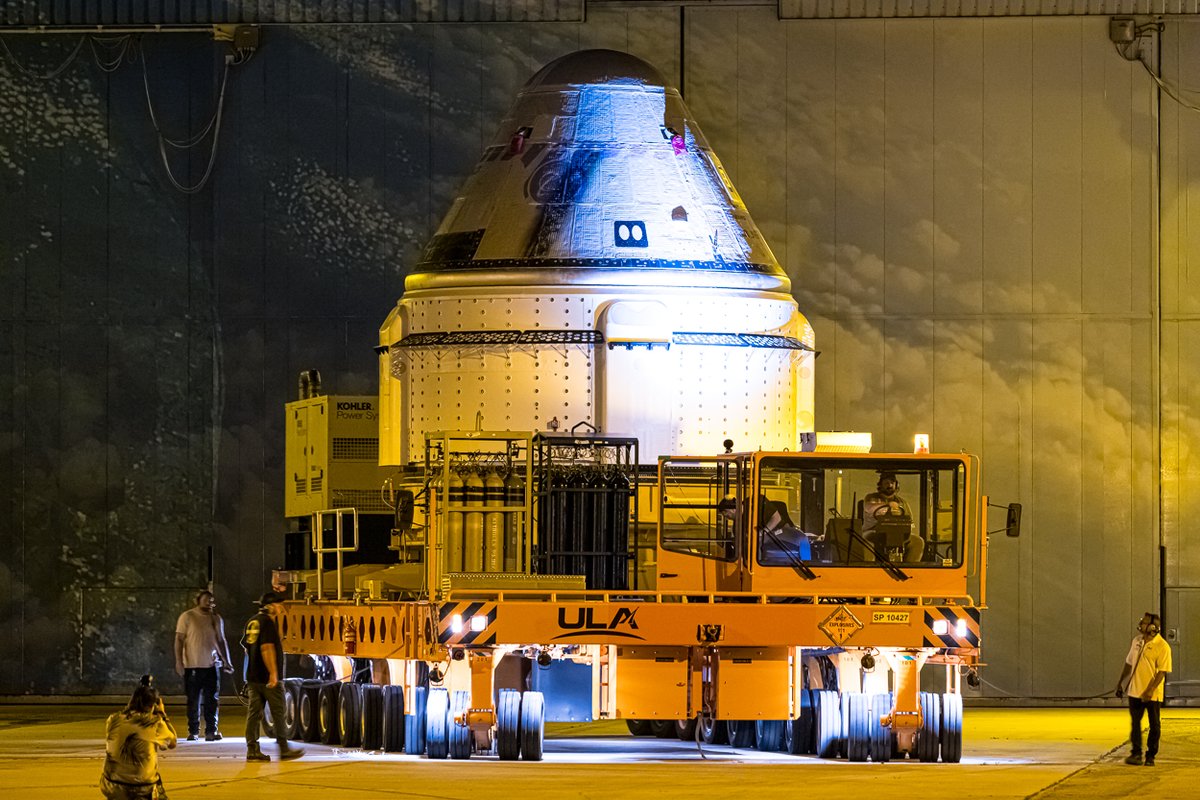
(598,267)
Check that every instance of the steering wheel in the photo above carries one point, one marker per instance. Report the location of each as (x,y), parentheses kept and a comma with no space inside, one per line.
(885,510)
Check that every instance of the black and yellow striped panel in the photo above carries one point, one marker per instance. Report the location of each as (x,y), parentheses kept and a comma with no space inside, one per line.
(454,623)
(951,615)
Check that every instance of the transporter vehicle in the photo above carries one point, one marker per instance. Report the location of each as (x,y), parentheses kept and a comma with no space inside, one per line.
(754,610)
(508,533)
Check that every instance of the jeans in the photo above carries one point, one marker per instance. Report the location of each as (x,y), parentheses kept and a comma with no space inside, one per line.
(202,685)
(260,695)
(1151,707)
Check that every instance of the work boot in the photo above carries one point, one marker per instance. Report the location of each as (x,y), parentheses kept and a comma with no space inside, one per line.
(1136,759)
(192,737)
(215,736)
(255,753)
(1149,762)
(290,753)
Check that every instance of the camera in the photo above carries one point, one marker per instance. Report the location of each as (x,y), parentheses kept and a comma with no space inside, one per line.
(147,681)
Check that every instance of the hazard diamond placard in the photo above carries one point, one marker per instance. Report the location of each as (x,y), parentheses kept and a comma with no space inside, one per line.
(840,625)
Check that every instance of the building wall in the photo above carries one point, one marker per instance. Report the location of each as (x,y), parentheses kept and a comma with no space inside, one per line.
(968,210)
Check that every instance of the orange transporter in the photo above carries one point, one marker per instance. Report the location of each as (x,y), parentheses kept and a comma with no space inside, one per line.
(770,599)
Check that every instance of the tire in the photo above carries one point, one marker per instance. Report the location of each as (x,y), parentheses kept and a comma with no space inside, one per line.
(638,727)
(350,713)
(740,733)
(291,707)
(828,729)
(855,709)
(310,729)
(798,733)
(712,731)
(372,716)
(929,739)
(414,723)
(327,713)
(663,729)
(437,707)
(533,725)
(459,735)
(952,727)
(267,726)
(768,734)
(685,729)
(393,719)
(508,725)
(879,738)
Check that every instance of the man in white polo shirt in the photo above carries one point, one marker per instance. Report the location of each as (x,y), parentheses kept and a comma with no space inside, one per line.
(1143,678)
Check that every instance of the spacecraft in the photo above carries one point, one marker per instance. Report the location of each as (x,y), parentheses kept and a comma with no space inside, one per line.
(598,270)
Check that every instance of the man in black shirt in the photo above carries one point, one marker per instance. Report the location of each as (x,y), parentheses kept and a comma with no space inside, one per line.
(264,655)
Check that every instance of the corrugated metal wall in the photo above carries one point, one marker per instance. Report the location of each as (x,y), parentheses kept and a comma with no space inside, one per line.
(1180,428)
(207,12)
(968,209)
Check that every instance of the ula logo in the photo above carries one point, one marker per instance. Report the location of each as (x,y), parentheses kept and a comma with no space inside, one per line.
(583,622)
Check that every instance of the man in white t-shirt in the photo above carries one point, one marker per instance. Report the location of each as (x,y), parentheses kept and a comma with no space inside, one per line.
(201,654)
(1142,679)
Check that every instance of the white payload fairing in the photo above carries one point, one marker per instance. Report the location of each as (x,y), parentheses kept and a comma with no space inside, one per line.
(598,267)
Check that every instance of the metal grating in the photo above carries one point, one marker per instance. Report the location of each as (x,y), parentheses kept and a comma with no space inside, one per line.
(355,448)
(761,340)
(884,9)
(713,339)
(499,338)
(75,13)
(366,501)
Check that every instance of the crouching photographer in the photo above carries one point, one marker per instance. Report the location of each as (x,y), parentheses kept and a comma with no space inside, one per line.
(134,737)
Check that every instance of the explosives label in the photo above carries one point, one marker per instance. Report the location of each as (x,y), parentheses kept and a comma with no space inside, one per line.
(840,625)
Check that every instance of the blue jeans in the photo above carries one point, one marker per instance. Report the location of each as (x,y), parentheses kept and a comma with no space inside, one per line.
(202,685)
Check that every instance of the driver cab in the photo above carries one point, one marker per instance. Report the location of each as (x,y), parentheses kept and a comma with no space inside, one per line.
(818,523)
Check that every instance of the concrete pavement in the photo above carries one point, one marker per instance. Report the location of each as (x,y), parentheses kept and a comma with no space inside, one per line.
(56,752)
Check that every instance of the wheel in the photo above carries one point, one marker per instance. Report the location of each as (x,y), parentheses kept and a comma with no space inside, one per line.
(436,709)
(879,738)
(711,731)
(267,726)
(768,734)
(310,729)
(414,723)
(459,733)
(638,727)
(828,729)
(685,729)
(508,725)
(533,725)
(291,707)
(798,733)
(855,708)
(371,730)
(740,732)
(952,727)
(663,729)
(350,713)
(929,739)
(327,713)
(393,719)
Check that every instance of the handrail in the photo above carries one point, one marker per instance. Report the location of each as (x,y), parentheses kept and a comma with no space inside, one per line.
(321,551)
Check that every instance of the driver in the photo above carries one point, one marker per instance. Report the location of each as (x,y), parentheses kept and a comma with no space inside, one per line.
(886,502)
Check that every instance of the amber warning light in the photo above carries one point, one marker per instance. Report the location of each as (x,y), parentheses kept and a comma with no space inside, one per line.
(921,443)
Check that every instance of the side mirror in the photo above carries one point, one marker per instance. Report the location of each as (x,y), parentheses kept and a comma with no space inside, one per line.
(1012,525)
(404,510)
